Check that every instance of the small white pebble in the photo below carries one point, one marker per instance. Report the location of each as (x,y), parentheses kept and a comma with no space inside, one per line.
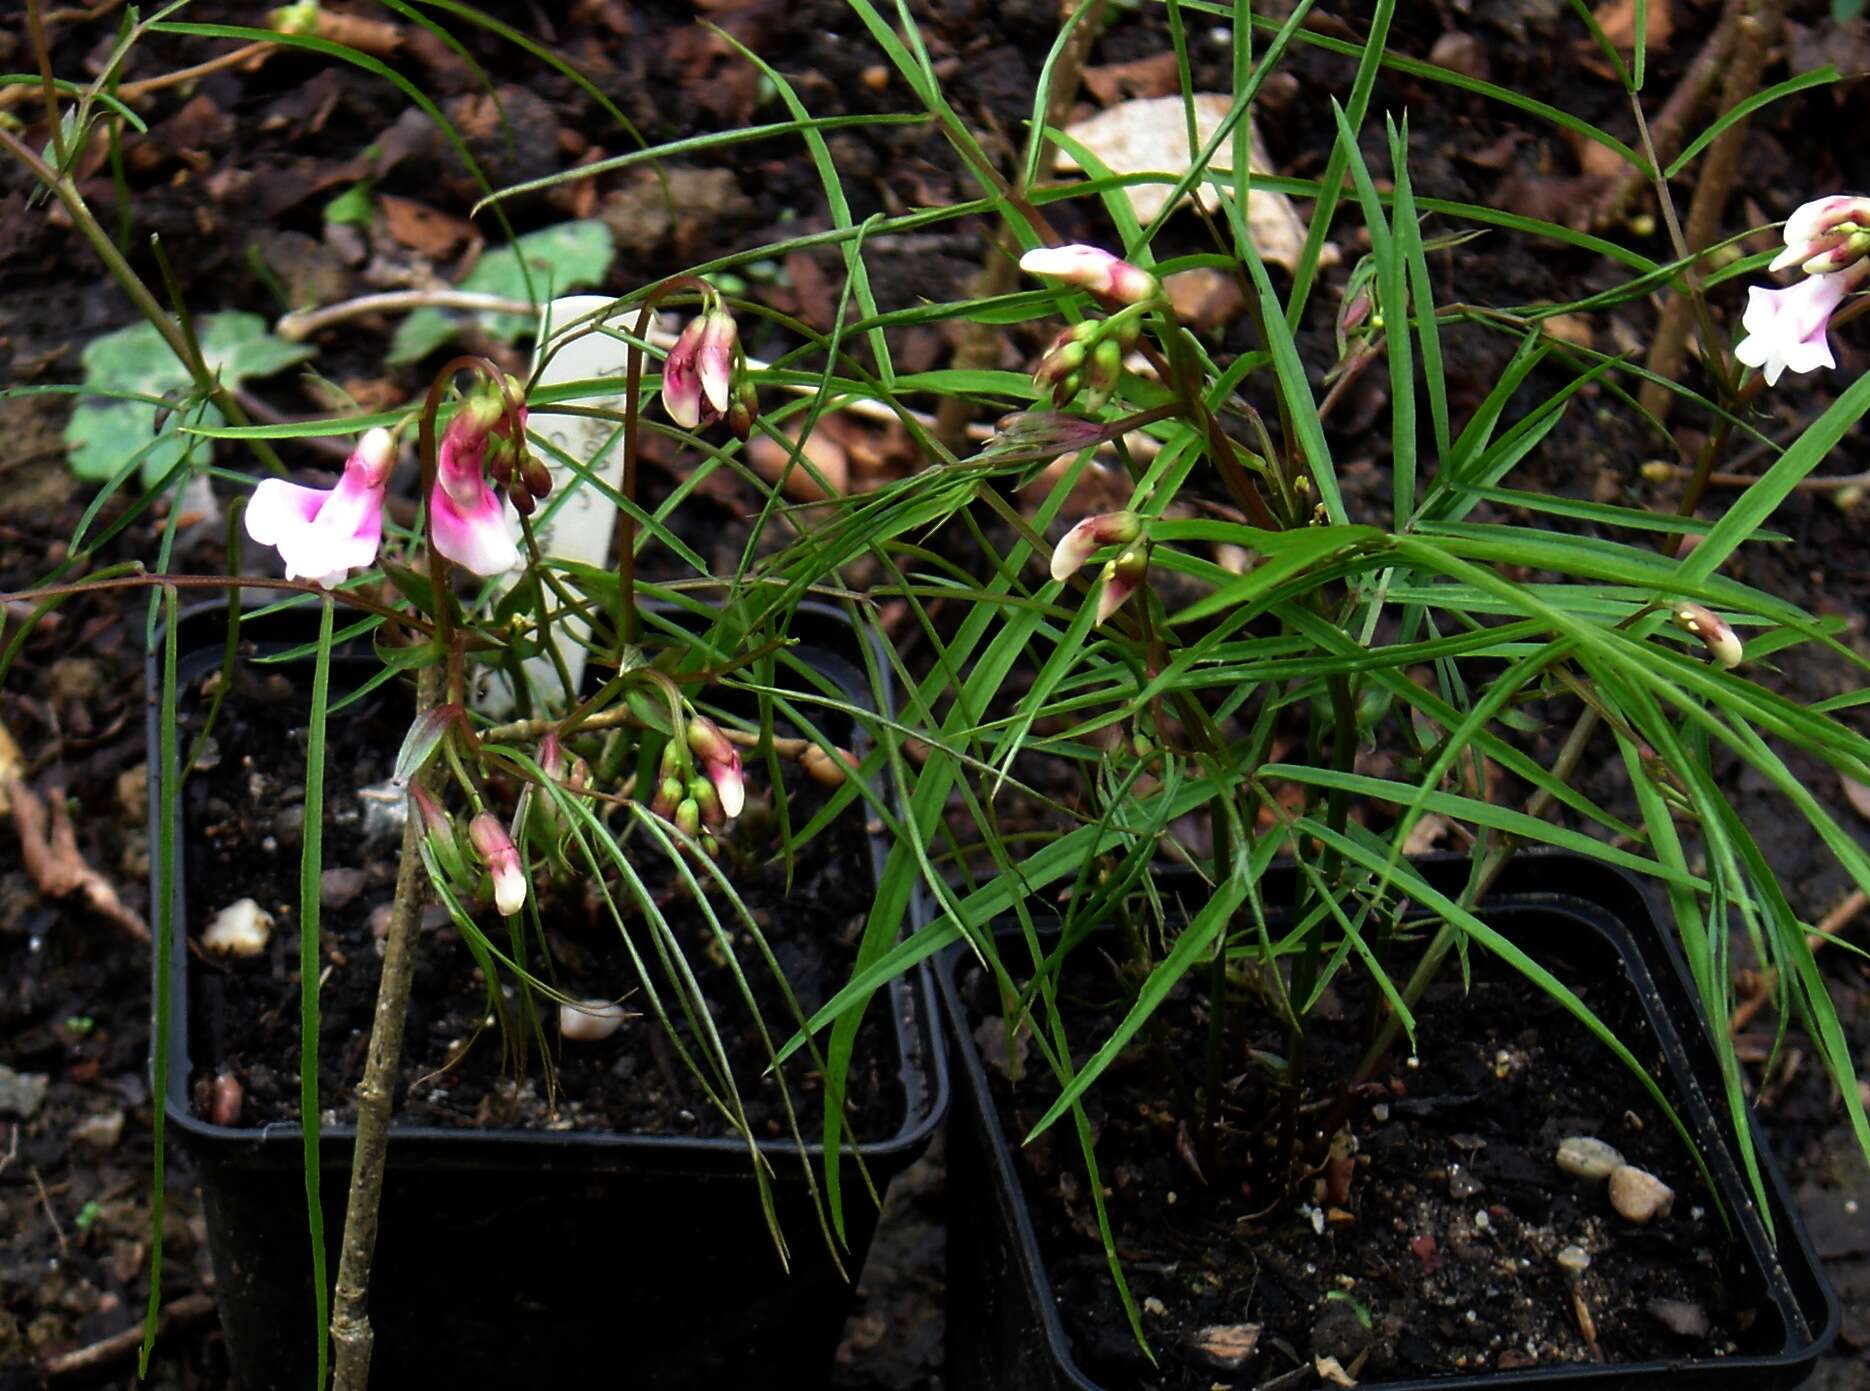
(1638,1195)
(1482,1221)
(590,1021)
(1588,1157)
(1574,1259)
(240,929)
(1154,1307)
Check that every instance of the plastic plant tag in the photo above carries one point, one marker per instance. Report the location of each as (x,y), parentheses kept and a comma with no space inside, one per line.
(579,522)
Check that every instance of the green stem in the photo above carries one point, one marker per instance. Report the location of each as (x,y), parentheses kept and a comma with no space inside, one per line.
(132,284)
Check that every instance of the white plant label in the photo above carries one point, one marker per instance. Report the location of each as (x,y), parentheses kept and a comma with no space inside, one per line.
(576,521)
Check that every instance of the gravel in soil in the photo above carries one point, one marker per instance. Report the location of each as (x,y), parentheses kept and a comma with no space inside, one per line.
(1435,1235)
(244,826)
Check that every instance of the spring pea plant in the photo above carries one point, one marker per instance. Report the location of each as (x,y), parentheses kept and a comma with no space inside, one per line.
(1202,670)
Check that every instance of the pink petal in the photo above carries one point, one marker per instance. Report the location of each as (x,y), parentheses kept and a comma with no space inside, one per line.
(477,537)
(278,507)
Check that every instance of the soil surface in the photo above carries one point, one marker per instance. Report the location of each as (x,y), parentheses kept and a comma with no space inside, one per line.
(235,174)
(462,1065)
(1434,1234)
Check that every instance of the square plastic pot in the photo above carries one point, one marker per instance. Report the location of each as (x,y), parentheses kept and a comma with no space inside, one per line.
(525,1258)
(1004,1330)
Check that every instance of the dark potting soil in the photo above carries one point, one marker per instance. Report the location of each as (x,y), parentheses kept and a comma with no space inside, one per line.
(1434,1252)
(243,832)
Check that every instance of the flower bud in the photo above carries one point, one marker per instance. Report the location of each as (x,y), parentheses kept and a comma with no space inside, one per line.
(669,792)
(1826,235)
(552,757)
(1702,622)
(688,816)
(1115,282)
(701,792)
(537,476)
(521,499)
(1121,578)
(1102,374)
(1106,529)
(497,852)
(744,411)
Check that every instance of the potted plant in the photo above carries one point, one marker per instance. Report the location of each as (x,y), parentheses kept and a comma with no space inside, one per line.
(1272,687)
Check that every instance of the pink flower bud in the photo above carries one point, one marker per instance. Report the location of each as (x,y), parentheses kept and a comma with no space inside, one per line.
(552,758)
(1106,529)
(324,533)
(720,760)
(1113,281)
(497,852)
(1713,630)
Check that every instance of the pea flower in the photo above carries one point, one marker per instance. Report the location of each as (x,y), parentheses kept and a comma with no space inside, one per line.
(698,375)
(1106,529)
(1114,281)
(1825,235)
(498,853)
(1122,577)
(467,523)
(324,533)
(720,760)
(1786,328)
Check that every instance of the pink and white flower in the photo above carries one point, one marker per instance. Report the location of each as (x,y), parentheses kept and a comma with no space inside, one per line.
(1078,544)
(1091,268)
(324,533)
(698,374)
(1122,577)
(467,523)
(1786,328)
(1826,234)
(498,853)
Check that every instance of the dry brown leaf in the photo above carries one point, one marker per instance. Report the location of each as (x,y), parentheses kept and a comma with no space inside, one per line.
(424,230)
(770,458)
(1617,18)
(1155,76)
(1150,135)
(1331,1372)
(1203,297)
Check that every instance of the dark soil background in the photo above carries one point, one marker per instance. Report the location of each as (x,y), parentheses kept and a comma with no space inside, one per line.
(234,175)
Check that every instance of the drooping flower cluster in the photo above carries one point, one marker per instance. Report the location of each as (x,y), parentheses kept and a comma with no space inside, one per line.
(466,521)
(323,534)
(704,377)
(1786,329)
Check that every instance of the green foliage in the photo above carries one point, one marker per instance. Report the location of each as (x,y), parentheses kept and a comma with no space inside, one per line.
(145,392)
(555,260)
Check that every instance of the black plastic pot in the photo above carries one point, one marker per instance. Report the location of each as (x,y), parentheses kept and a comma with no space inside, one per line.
(1004,1330)
(516,1258)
